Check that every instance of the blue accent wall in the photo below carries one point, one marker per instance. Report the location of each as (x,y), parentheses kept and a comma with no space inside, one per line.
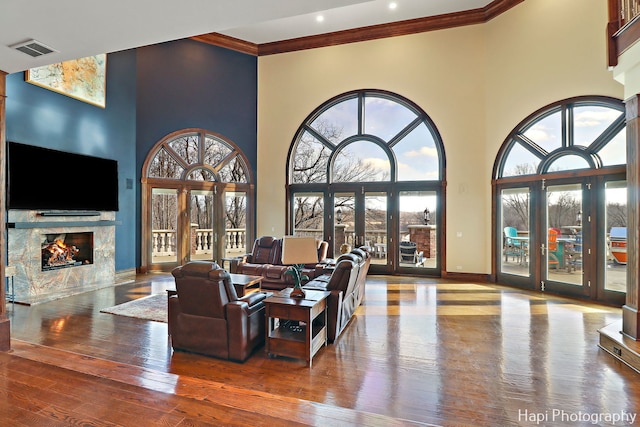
(189,84)
(151,92)
(38,116)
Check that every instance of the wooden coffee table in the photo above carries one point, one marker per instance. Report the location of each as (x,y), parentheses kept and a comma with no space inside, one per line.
(243,281)
(296,327)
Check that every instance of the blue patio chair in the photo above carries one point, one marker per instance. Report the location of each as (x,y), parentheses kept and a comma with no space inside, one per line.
(512,247)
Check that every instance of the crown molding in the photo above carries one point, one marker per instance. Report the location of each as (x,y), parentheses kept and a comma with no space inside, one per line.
(373,32)
(228,42)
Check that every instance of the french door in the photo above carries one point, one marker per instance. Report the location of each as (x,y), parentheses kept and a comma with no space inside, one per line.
(190,224)
(361,219)
(567,248)
(182,227)
(400,228)
(559,235)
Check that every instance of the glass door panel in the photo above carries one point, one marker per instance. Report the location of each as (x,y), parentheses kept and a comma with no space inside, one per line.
(563,237)
(514,231)
(615,269)
(344,232)
(202,233)
(235,224)
(375,226)
(417,247)
(308,215)
(164,225)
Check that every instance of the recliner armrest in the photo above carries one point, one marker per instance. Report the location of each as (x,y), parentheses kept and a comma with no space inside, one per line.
(316,286)
(235,261)
(253,298)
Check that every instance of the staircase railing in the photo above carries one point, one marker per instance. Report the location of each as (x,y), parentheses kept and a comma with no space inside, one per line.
(623,29)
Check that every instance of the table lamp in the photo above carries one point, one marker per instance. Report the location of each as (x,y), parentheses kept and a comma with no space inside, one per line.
(296,252)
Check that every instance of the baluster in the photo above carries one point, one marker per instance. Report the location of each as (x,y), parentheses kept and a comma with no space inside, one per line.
(154,244)
(163,237)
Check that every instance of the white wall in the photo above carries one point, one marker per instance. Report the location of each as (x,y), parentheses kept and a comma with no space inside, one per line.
(475,82)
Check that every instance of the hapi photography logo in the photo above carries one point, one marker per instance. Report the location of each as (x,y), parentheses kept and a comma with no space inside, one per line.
(560,415)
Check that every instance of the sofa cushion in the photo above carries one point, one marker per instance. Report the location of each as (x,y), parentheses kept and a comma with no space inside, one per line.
(274,272)
(263,250)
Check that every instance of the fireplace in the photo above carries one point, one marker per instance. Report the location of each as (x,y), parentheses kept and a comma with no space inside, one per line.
(57,254)
(66,250)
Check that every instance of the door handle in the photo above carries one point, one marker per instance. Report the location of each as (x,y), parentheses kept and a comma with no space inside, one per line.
(542,249)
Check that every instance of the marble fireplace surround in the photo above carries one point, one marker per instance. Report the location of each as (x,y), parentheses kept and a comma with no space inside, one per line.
(25,231)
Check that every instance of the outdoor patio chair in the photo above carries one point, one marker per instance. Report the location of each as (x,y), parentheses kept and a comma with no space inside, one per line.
(409,253)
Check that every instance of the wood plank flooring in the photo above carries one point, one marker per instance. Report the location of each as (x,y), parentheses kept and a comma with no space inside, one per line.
(419,351)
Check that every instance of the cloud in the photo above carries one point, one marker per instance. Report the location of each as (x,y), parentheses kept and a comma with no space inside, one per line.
(407,172)
(377,164)
(539,133)
(590,118)
(423,151)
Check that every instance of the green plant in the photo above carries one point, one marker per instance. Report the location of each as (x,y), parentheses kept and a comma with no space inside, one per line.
(298,277)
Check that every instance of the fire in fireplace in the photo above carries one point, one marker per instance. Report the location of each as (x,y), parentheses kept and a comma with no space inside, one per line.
(67,250)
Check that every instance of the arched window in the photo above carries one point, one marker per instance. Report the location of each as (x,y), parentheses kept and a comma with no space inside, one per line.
(366,136)
(348,161)
(560,180)
(578,134)
(205,176)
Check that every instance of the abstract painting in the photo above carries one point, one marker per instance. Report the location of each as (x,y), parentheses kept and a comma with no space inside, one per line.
(83,79)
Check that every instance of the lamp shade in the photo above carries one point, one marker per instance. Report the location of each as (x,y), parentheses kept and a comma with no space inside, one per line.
(299,250)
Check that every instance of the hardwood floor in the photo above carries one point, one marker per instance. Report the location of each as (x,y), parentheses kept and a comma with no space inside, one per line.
(419,351)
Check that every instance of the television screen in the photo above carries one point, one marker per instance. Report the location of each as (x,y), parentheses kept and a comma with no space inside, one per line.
(42,178)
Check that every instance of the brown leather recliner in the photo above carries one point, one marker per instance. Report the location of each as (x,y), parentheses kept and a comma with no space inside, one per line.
(343,300)
(265,260)
(363,263)
(207,317)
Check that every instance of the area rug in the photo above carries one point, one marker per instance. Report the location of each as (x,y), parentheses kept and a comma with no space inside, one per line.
(153,307)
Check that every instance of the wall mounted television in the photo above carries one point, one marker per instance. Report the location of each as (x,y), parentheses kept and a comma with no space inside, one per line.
(45,179)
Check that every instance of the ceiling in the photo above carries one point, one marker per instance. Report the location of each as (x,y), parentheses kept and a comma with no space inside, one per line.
(79,28)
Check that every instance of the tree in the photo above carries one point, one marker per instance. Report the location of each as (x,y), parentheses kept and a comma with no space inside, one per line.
(515,210)
(616,215)
(310,165)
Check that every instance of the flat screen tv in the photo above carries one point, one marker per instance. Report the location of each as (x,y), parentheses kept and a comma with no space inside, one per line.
(44,179)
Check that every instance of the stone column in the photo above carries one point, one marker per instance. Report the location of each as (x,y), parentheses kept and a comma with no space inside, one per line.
(630,314)
(424,237)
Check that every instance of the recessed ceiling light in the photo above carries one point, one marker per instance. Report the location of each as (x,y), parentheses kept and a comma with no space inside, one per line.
(319,18)
(393,5)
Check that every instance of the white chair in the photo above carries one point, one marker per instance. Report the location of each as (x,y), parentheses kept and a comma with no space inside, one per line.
(409,253)
(380,250)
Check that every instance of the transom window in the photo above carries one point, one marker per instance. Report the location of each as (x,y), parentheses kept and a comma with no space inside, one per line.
(577,134)
(366,136)
(196,156)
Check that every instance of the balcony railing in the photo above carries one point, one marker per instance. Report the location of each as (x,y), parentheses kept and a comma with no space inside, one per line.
(164,242)
(623,29)
(629,9)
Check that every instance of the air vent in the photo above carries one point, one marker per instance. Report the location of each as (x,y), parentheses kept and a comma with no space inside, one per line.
(33,48)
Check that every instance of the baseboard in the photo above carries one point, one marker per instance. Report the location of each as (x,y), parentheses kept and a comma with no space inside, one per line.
(124,276)
(621,347)
(467,277)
